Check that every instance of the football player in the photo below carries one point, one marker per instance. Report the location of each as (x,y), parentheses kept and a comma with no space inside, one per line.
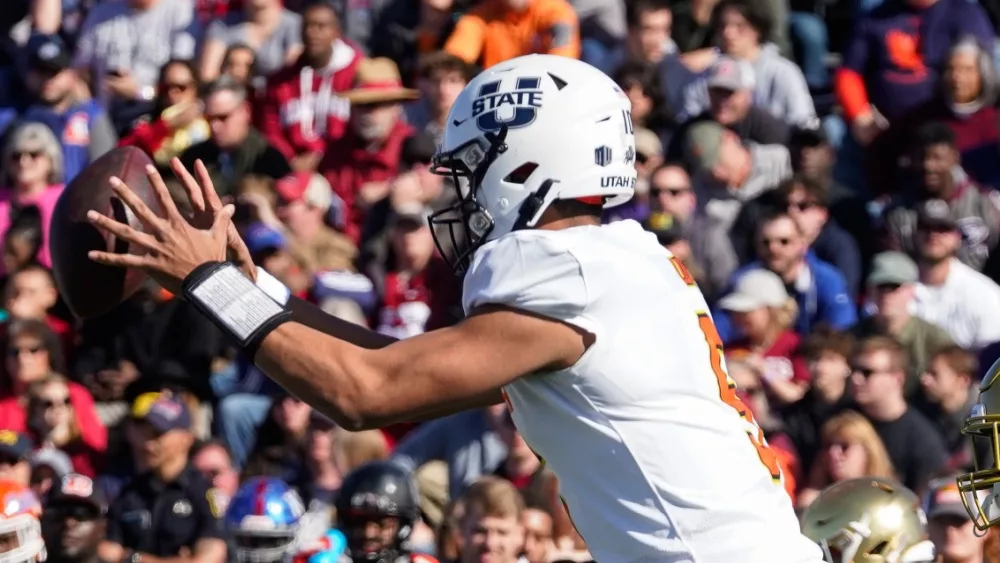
(869,520)
(264,518)
(377,507)
(981,489)
(20,527)
(595,335)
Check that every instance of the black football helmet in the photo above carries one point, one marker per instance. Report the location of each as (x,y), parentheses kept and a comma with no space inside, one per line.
(370,494)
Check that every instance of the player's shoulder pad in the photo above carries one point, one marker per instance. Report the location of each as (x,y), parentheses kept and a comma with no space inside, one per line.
(530,270)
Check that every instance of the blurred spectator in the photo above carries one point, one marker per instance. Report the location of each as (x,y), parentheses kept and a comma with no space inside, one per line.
(32,175)
(15,449)
(48,467)
(807,206)
(850,448)
(124,44)
(949,526)
(213,460)
(522,467)
(182,516)
(408,31)
(74,522)
(676,220)
(878,375)
(272,31)
(408,281)
(730,103)
(176,121)
(269,248)
(440,79)
(692,29)
(892,61)
(24,238)
(82,126)
(305,201)
(240,63)
(828,355)
(742,28)
(818,288)
(947,398)
(497,30)
(303,110)
(30,293)
(361,164)
(891,287)
(450,536)
(943,196)
(469,442)
(640,84)
(235,148)
(650,23)
(54,421)
(491,524)
(965,303)
(964,102)
(327,461)
(725,172)
(764,314)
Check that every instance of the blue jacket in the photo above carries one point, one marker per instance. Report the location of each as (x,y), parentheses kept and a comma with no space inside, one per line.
(84,131)
(825,301)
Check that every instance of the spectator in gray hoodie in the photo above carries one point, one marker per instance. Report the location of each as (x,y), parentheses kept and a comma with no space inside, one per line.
(741,27)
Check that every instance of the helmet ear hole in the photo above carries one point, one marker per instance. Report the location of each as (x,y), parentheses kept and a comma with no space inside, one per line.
(521,174)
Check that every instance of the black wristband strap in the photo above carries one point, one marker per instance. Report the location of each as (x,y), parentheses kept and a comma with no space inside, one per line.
(234,303)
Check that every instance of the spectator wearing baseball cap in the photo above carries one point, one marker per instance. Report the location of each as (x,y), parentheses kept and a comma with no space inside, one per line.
(730,104)
(183,514)
(83,127)
(15,451)
(760,307)
(949,526)
(306,204)
(727,172)
(943,198)
(892,285)
(75,521)
(360,166)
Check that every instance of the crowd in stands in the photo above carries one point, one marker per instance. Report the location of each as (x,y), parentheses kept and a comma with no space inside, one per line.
(827,170)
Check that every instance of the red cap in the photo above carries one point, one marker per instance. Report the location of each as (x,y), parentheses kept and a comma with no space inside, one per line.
(294,186)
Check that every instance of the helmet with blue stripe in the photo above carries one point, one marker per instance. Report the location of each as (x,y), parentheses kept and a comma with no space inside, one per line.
(263,518)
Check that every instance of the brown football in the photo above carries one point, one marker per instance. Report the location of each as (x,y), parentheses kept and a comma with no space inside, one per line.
(91,289)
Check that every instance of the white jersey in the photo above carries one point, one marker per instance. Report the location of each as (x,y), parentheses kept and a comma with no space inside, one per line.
(654,460)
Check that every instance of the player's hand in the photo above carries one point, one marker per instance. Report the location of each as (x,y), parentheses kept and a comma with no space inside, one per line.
(206,204)
(173,247)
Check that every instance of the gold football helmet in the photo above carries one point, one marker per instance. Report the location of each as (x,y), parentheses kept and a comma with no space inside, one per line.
(868,520)
(981,488)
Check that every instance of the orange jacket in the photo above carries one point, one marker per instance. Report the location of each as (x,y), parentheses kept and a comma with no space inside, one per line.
(491,33)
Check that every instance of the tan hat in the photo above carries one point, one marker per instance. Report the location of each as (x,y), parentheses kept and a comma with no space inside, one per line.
(377,81)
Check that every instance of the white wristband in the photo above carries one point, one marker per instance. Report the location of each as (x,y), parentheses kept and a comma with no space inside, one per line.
(272,287)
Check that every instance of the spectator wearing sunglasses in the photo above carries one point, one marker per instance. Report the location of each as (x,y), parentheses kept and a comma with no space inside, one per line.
(75,520)
(176,122)
(670,192)
(52,419)
(891,287)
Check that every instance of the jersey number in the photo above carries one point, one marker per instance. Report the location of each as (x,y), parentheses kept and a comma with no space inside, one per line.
(727,389)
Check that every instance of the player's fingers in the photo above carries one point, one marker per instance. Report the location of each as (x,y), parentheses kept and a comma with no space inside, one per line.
(135,203)
(122,231)
(239,253)
(224,218)
(119,260)
(207,186)
(170,210)
(190,185)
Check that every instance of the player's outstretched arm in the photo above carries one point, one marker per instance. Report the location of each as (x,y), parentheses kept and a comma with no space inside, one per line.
(440,371)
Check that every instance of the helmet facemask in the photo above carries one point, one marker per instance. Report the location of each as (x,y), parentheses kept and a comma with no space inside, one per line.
(980,489)
(260,546)
(459,230)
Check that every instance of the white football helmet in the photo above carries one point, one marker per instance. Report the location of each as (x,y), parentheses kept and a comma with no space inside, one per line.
(523,134)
